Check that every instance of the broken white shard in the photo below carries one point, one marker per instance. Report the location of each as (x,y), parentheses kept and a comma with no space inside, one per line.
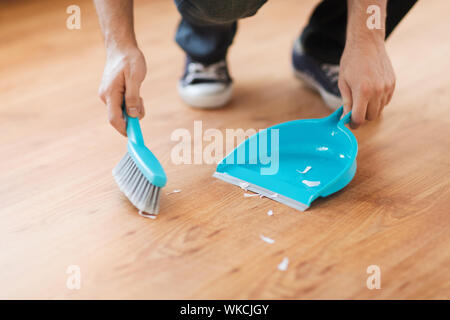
(146,215)
(249,195)
(174,191)
(322,148)
(266,239)
(244,185)
(305,170)
(283,264)
(270,213)
(311,183)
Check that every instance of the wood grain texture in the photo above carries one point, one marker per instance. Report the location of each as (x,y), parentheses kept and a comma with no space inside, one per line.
(59,205)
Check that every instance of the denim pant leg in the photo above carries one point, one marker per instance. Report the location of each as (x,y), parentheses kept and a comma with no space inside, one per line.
(324,36)
(208,27)
(205,44)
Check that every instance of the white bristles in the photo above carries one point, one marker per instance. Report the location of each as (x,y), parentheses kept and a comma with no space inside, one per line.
(141,193)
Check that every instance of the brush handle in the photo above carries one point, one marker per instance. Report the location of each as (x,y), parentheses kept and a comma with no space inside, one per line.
(134,131)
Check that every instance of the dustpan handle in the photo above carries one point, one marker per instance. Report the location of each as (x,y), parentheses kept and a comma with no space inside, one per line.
(134,132)
(345,119)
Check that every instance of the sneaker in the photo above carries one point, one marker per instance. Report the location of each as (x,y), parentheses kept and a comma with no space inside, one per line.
(321,77)
(205,86)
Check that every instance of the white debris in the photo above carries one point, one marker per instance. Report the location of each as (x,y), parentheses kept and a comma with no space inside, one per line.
(266,239)
(249,195)
(283,264)
(341,156)
(270,213)
(146,215)
(322,148)
(174,191)
(305,170)
(271,196)
(311,183)
(244,185)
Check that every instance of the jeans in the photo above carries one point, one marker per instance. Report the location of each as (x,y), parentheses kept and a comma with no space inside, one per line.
(207,27)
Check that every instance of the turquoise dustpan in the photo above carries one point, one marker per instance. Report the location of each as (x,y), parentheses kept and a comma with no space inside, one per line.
(294,162)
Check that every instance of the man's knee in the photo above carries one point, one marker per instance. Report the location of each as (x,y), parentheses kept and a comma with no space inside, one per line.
(217,11)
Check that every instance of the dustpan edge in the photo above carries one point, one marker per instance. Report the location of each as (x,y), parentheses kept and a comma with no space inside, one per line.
(262,191)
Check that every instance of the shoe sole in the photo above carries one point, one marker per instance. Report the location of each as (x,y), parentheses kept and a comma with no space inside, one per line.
(333,102)
(207,101)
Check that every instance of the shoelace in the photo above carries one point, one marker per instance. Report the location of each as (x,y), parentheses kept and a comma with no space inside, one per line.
(215,71)
(332,71)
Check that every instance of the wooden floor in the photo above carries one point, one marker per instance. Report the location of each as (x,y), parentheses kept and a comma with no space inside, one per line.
(59,205)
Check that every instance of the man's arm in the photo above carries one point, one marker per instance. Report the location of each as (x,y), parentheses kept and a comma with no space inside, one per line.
(125,66)
(366,78)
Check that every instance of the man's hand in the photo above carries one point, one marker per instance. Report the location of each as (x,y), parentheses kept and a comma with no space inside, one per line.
(124,72)
(366,81)
(125,67)
(366,77)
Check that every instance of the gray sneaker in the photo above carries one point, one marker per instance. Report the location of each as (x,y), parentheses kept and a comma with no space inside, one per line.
(206,86)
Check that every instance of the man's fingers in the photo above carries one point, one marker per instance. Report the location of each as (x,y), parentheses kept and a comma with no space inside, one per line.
(373,108)
(142,109)
(346,94)
(388,100)
(115,113)
(133,101)
(360,101)
(376,100)
(389,95)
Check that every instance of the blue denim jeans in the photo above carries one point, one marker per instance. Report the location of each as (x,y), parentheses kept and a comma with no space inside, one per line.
(207,27)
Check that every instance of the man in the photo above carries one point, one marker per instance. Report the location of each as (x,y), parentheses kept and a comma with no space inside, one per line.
(337,54)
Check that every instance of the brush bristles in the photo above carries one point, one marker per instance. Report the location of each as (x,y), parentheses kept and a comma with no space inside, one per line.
(141,193)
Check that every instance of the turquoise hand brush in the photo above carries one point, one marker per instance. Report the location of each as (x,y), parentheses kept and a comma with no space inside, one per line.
(139,174)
